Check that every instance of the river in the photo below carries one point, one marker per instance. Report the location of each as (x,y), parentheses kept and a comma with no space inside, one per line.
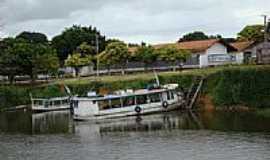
(169,136)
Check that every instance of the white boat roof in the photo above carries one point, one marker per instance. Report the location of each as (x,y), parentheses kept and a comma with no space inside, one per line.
(50,99)
(126,94)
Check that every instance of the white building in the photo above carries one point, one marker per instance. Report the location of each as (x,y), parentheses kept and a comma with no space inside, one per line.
(242,54)
(206,53)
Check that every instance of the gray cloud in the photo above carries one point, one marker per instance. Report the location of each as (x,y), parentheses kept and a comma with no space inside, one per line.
(137,20)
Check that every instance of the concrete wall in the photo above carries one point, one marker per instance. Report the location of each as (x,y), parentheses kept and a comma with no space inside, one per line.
(216,49)
(239,57)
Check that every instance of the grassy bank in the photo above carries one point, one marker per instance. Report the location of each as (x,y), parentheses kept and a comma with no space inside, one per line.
(227,86)
(243,86)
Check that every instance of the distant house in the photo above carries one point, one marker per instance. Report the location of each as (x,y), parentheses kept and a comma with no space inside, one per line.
(206,53)
(253,52)
(243,55)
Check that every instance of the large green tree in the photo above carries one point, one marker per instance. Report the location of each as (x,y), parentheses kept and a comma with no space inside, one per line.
(173,55)
(115,53)
(72,37)
(251,33)
(197,35)
(19,57)
(33,37)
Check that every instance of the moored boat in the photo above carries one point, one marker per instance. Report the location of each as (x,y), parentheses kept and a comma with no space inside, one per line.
(50,104)
(128,103)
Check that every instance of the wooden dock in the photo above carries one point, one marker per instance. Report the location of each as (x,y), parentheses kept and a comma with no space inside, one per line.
(193,93)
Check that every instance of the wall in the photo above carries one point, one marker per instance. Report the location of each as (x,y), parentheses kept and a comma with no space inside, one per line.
(217,48)
(239,57)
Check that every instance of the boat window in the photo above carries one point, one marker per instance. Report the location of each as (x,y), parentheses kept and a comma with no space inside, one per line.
(39,103)
(168,96)
(154,97)
(142,99)
(115,103)
(57,103)
(46,104)
(128,101)
(64,101)
(172,95)
(105,104)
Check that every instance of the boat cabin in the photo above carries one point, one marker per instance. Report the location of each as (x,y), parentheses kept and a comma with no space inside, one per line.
(43,104)
(124,102)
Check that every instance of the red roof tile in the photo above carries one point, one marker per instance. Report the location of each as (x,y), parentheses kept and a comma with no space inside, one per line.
(240,46)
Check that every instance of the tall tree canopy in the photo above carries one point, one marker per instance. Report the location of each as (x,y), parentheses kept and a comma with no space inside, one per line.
(251,33)
(197,35)
(72,37)
(82,56)
(173,55)
(115,53)
(33,37)
(146,54)
(20,57)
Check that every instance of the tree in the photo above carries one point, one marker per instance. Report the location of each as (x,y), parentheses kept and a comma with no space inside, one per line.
(145,54)
(72,37)
(77,62)
(251,33)
(173,55)
(85,49)
(8,61)
(20,57)
(33,37)
(115,53)
(197,35)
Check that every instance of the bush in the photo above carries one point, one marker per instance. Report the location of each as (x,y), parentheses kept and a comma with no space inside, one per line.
(240,86)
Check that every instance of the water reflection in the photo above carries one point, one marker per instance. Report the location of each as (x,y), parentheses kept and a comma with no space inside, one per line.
(51,122)
(41,123)
(60,122)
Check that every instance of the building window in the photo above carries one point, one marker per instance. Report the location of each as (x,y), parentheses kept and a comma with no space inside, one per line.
(220,58)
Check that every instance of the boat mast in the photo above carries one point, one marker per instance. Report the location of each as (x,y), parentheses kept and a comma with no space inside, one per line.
(157,79)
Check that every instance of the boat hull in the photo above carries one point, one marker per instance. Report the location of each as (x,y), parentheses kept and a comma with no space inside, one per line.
(120,114)
(43,109)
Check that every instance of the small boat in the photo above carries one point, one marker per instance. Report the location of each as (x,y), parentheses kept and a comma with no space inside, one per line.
(50,104)
(127,103)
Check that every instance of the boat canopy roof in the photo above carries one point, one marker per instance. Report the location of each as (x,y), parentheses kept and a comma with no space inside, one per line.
(51,99)
(126,94)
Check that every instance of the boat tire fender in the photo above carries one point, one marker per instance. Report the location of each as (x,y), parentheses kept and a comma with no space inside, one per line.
(138,109)
(165,104)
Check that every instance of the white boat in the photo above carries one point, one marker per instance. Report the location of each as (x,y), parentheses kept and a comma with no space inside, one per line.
(50,104)
(127,103)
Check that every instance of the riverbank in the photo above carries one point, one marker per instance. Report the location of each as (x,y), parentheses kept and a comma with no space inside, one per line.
(226,86)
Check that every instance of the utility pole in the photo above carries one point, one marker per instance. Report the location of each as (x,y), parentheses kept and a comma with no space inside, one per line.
(265,27)
(97,51)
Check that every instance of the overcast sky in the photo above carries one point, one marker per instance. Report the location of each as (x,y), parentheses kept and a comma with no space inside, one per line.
(151,21)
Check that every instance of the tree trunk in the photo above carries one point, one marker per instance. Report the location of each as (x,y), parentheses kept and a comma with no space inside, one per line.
(109,70)
(123,70)
(174,66)
(11,79)
(77,70)
(33,78)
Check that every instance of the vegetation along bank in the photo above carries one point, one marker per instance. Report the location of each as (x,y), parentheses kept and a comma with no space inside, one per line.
(226,86)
